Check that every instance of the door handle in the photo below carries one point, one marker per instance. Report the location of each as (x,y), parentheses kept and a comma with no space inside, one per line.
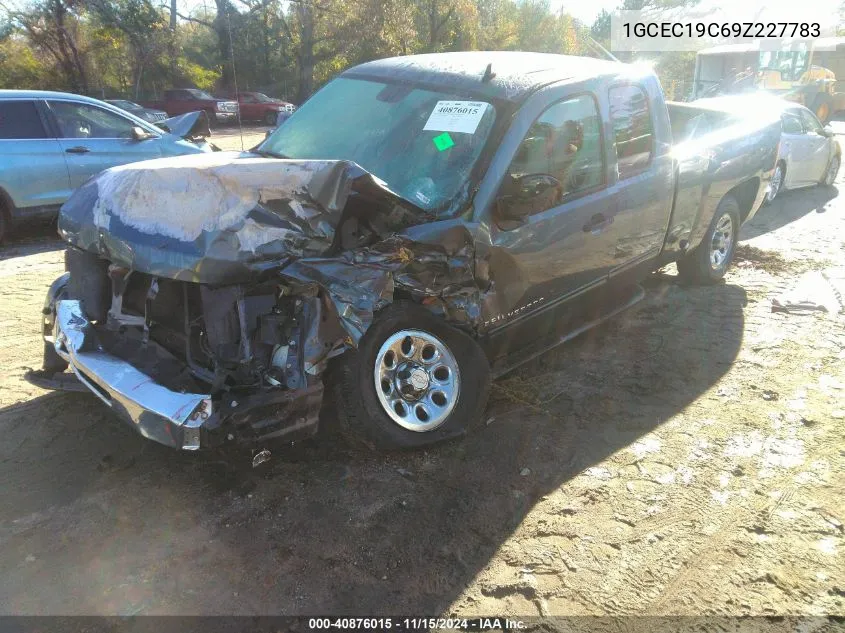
(79,149)
(597,224)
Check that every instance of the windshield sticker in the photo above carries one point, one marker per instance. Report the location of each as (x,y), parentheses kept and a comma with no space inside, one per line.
(443,141)
(456,116)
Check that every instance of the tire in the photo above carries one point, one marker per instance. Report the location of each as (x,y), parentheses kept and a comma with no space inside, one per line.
(703,265)
(270,118)
(5,224)
(52,363)
(776,184)
(212,119)
(363,413)
(831,171)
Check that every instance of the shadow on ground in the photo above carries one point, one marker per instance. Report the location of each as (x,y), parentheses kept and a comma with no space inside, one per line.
(787,208)
(97,520)
(28,239)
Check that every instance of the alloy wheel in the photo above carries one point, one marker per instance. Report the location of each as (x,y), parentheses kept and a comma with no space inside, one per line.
(720,245)
(417,380)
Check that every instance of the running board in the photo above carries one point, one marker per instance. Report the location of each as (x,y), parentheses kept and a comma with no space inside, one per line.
(512,361)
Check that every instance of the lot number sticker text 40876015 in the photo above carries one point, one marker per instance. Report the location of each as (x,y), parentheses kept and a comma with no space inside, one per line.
(456,116)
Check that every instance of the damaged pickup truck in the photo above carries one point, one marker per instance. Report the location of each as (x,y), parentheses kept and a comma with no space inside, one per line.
(420,226)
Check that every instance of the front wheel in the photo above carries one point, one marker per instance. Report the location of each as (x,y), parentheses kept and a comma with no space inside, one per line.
(709,261)
(413,381)
(270,118)
(775,184)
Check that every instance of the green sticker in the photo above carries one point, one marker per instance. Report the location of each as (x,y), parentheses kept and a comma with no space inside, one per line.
(443,141)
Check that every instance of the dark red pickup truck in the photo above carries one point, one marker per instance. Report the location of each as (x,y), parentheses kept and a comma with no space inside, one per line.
(183,100)
(256,106)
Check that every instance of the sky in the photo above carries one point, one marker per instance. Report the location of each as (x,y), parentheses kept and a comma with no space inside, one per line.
(585,10)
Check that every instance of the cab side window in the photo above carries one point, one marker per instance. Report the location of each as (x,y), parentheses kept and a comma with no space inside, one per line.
(560,156)
(632,129)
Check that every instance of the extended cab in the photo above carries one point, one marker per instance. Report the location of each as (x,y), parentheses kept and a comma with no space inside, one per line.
(184,100)
(461,214)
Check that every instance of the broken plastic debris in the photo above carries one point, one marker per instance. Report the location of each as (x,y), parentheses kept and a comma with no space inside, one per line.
(812,292)
(260,457)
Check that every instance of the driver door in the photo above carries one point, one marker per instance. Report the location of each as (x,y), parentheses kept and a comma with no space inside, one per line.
(565,241)
(94,139)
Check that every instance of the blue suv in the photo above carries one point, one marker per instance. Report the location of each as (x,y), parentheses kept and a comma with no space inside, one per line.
(52,142)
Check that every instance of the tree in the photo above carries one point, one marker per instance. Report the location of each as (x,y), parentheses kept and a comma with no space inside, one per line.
(143,26)
(53,27)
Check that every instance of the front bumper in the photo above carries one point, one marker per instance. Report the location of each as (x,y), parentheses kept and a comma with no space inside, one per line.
(179,420)
(188,421)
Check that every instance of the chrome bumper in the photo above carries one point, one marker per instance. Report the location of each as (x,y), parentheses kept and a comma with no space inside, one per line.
(168,417)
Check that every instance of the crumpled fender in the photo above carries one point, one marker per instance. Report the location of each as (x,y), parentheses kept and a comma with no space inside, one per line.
(230,218)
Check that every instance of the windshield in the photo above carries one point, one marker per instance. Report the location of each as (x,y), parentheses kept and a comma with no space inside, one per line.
(200,94)
(422,143)
(262,98)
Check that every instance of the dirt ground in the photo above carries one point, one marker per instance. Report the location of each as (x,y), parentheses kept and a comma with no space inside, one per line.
(685,458)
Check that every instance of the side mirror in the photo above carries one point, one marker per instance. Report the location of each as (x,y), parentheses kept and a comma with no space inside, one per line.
(140,134)
(523,195)
(267,133)
(828,131)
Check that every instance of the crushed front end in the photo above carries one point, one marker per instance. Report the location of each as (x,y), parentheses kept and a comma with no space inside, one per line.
(204,297)
(186,364)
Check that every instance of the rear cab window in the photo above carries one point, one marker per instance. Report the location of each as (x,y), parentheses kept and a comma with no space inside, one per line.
(633,129)
(20,120)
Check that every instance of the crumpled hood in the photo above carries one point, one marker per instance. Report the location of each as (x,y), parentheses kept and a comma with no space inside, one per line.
(218,218)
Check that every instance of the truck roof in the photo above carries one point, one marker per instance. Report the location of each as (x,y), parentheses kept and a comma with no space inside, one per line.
(517,74)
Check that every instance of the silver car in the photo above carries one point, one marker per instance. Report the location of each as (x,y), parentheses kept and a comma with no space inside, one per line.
(809,153)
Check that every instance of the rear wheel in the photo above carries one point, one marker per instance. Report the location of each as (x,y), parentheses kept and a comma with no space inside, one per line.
(709,262)
(413,381)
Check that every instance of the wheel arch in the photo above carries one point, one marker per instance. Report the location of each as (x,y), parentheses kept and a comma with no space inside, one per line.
(745,193)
